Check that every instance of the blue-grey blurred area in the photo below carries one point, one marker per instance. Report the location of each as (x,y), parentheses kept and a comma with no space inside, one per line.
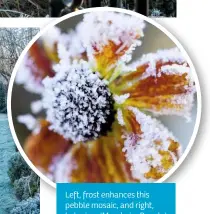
(12,43)
(7,149)
(13,168)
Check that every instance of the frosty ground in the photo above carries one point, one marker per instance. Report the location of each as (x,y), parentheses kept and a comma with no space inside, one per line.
(7,148)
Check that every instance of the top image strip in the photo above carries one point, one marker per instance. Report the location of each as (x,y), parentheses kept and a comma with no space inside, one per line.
(58,8)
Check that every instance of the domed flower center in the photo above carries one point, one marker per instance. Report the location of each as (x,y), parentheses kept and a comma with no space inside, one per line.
(79,104)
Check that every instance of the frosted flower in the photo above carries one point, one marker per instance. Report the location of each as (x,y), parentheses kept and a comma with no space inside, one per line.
(96,127)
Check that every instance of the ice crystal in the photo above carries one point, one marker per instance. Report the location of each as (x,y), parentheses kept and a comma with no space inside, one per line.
(142,151)
(163,56)
(99,28)
(121,99)
(26,75)
(28,120)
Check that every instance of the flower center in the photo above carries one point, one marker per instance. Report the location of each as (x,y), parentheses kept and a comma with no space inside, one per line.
(79,104)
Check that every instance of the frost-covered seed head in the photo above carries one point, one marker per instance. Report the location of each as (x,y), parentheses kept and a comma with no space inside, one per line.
(79,105)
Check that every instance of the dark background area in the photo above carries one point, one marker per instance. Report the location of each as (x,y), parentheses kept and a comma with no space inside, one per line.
(56,8)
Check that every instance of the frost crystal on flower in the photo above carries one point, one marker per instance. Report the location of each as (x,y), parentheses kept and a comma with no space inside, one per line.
(69,46)
(51,37)
(64,168)
(103,28)
(30,122)
(36,106)
(145,151)
(27,75)
(120,117)
(121,99)
(78,103)
(162,56)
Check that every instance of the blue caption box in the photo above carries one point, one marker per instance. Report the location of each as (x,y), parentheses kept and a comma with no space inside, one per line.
(116,198)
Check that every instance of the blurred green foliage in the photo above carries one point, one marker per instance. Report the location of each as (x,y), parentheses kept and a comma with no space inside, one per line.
(29,206)
(17,167)
(26,185)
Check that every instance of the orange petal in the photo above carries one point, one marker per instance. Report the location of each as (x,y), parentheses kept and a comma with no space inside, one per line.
(97,161)
(51,52)
(49,41)
(153,151)
(46,147)
(107,58)
(161,84)
(41,60)
(107,41)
